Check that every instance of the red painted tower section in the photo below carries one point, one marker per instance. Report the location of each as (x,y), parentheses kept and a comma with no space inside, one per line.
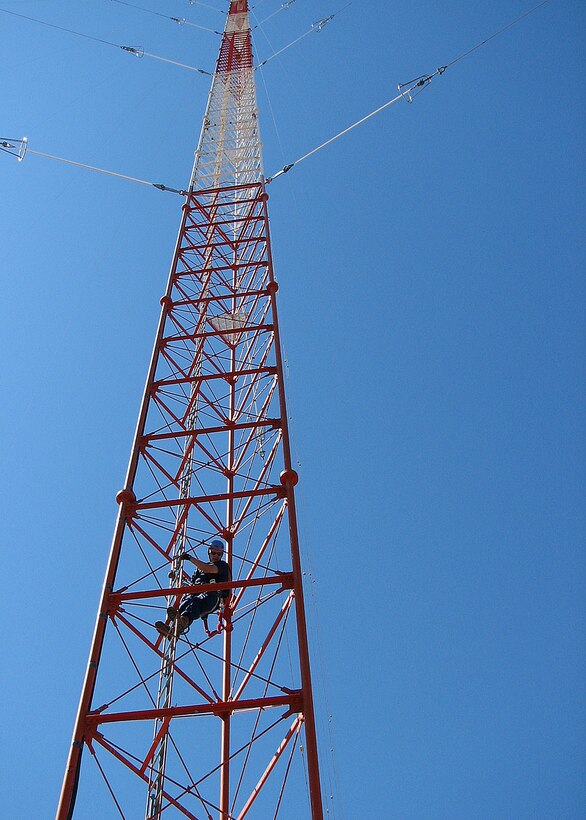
(216,724)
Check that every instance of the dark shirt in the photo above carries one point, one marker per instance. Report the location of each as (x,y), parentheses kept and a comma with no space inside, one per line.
(219,577)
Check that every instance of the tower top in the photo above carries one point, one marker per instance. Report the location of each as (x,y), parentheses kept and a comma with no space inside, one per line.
(229,149)
(236,48)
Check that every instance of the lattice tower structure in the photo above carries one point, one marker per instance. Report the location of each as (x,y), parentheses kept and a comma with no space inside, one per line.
(214,722)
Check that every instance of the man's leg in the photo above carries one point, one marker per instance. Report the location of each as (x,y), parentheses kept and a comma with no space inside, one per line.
(191,608)
(197,605)
(180,618)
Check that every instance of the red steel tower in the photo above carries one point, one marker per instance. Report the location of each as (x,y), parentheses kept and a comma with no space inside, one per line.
(216,723)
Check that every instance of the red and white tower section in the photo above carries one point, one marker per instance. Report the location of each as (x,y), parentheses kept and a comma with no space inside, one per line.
(216,724)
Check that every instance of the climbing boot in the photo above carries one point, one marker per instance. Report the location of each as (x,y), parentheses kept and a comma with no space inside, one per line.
(163,629)
(181,624)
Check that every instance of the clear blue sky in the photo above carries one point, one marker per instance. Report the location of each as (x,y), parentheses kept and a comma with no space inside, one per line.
(432,298)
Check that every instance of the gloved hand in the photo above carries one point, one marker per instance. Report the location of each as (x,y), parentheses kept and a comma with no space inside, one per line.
(183,556)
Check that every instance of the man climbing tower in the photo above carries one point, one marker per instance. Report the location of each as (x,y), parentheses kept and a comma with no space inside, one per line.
(198,605)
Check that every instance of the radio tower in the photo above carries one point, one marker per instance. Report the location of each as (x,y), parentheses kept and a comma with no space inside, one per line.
(217,722)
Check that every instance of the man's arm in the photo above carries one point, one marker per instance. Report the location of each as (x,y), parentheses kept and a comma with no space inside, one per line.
(204,566)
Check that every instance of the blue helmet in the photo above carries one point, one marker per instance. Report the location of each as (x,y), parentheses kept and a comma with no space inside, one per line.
(217,544)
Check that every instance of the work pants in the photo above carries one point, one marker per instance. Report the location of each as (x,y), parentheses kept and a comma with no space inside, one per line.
(196,606)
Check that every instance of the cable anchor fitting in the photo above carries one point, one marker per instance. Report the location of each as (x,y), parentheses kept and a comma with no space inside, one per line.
(160,187)
(16,147)
(283,170)
(412,88)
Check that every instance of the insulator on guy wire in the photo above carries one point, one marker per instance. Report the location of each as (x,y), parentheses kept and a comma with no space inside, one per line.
(412,88)
(16,147)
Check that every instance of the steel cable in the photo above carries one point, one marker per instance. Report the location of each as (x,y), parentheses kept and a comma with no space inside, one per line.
(422,82)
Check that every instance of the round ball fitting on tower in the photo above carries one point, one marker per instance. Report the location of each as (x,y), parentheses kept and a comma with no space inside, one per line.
(289,477)
(272,287)
(166,302)
(125,496)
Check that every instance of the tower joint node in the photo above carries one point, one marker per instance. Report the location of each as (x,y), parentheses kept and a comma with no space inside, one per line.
(296,702)
(112,605)
(287,581)
(91,729)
